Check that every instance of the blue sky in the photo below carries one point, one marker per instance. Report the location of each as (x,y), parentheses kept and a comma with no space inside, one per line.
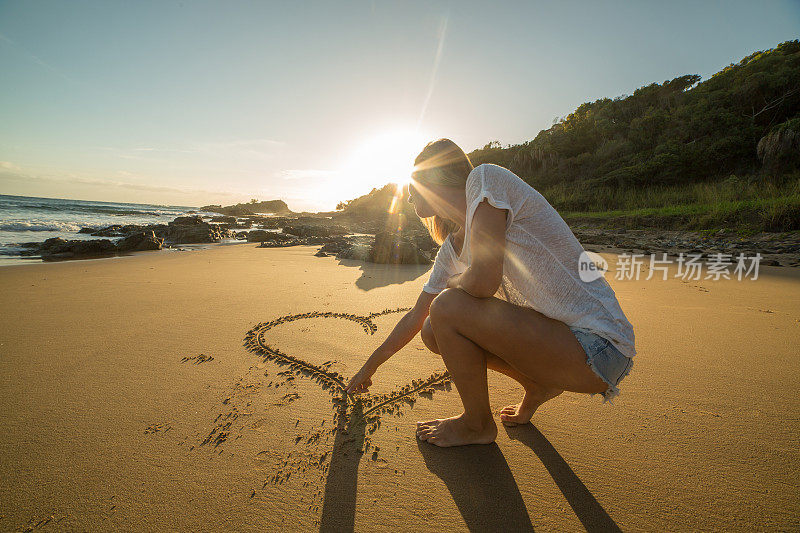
(315,102)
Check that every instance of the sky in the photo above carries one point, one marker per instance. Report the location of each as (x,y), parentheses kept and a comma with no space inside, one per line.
(194,102)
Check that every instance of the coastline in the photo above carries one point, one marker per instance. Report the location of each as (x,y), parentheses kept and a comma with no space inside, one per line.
(105,420)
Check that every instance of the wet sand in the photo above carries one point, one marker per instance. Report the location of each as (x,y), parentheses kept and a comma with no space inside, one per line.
(201,391)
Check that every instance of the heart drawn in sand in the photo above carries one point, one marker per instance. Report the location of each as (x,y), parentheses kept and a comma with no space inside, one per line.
(363,407)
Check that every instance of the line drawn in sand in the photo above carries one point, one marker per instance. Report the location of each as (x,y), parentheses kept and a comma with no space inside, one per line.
(354,419)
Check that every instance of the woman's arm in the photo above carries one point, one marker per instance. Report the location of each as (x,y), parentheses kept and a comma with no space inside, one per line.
(405,330)
(488,245)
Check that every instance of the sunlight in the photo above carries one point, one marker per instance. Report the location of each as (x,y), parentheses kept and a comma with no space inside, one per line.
(385,158)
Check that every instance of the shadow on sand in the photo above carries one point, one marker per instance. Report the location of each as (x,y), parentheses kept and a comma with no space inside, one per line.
(482,486)
(374,275)
(477,476)
(339,505)
(583,503)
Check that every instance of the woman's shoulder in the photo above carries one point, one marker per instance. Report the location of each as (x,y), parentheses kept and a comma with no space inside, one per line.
(501,184)
(489,175)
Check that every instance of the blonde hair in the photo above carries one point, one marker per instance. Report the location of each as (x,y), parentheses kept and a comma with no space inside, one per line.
(441,162)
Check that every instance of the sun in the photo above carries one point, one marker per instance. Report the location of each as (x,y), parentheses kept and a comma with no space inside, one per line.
(385,158)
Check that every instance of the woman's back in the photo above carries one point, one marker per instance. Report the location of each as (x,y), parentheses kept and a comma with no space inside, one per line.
(542,258)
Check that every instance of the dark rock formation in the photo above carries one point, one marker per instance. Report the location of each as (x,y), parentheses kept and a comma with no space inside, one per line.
(278,207)
(279,244)
(359,252)
(137,242)
(397,248)
(57,248)
(192,229)
(224,220)
(316,230)
(260,235)
(188,220)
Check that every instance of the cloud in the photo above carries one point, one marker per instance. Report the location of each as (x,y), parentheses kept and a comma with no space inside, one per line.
(236,150)
(307,174)
(14,173)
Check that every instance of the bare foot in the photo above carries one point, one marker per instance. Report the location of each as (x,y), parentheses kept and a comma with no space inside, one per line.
(521,413)
(455,431)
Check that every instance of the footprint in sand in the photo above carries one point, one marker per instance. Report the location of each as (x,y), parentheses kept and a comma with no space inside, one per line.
(157,428)
(197,359)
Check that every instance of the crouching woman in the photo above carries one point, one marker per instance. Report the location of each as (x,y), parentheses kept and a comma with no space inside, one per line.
(506,294)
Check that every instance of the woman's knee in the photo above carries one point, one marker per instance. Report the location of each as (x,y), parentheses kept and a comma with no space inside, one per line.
(447,304)
(428,337)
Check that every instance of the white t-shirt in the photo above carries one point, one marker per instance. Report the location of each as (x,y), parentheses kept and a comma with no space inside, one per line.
(540,269)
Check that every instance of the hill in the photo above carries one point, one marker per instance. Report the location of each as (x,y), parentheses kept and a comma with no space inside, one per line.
(275,207)
(374,209)
(681,131)
(682,154)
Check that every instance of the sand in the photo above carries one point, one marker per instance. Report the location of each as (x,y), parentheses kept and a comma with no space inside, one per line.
(140,393)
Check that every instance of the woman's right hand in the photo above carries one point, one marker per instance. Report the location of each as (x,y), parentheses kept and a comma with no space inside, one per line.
(361,381)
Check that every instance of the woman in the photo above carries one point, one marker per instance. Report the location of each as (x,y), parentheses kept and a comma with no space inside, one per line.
(504,293)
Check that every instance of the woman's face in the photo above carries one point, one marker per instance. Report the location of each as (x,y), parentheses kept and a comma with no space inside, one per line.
(419,195)
(429,200)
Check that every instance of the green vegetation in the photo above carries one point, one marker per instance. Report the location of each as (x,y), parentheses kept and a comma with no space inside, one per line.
(748,204)
(683,154)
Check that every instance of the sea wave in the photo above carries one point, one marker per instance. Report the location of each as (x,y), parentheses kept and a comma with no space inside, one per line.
(38,226)
(80,209)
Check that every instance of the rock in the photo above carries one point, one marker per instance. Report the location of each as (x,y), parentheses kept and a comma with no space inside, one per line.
(224,220)
(335,245)
(88,230)
(139,242)
(395,248)
(190,220)
(260,235)
(359,252)
(117,230)
(192,229)
(315,230)
(55,244)
(97,246)
(331,247)
(241,236)
(320,253)
(58,248)
(279,244)
(423,240)
(109,231)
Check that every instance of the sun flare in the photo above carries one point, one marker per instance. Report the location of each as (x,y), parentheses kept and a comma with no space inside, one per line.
(385,158)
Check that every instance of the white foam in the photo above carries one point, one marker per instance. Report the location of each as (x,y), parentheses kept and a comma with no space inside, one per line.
(34,225)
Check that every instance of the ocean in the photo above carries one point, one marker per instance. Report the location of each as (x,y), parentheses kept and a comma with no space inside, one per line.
(32,219)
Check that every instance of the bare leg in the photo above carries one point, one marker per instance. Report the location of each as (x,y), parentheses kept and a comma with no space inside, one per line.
(466,363)
(539,348)
(535,394)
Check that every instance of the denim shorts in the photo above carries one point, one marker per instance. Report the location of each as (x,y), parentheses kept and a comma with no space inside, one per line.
(604,359)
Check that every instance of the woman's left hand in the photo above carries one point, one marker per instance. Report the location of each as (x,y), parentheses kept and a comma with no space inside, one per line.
(361,381)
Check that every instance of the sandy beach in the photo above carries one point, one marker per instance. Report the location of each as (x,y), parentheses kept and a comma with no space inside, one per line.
(133,399)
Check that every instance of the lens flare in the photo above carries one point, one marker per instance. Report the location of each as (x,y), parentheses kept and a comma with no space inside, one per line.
(385,158)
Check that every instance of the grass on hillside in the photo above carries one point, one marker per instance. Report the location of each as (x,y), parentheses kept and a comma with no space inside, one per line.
(747,205)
